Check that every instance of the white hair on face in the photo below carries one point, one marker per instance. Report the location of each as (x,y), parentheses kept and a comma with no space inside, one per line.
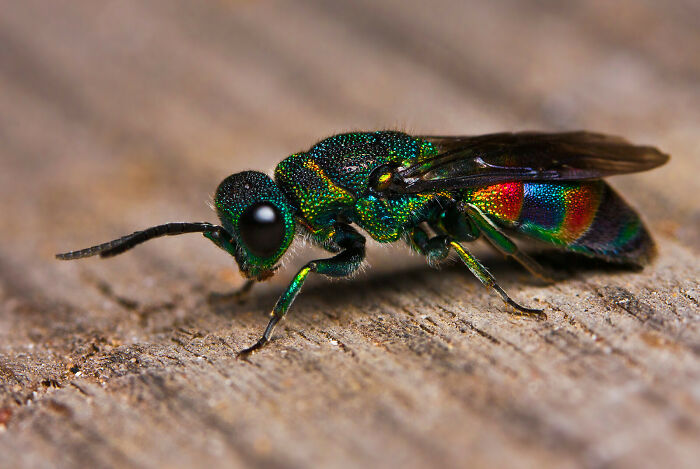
(210,202)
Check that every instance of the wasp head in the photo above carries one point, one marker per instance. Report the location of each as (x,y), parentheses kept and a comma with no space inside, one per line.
(259,219)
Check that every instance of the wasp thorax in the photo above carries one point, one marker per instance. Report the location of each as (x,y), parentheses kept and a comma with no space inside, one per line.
(255,212)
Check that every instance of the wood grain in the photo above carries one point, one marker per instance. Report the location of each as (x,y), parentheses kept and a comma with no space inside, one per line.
(115,116)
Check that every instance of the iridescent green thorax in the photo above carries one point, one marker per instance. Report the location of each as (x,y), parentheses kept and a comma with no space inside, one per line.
(387,220)
(333,181)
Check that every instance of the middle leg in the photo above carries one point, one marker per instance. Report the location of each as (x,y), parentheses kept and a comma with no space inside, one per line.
(505,245)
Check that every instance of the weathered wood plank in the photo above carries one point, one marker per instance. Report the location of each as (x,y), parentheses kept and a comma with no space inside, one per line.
(119,115)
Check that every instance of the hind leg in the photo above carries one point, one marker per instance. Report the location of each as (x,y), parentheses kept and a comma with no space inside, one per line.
(505,245)
(438,248)
(489,281)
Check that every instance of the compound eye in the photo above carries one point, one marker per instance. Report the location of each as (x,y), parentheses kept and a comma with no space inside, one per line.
(261,228)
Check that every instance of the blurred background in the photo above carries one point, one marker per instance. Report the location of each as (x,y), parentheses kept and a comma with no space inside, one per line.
(117,115)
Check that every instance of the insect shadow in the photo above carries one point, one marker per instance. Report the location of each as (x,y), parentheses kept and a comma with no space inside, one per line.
(365,290)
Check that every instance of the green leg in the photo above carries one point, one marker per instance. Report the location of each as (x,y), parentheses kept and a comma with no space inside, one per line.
(438,248)
(489,281)
(434,249)
(504,244)
(343,264)
(452,222)
(227,245)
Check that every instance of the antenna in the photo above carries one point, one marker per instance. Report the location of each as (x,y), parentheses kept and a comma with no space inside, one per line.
(118,246)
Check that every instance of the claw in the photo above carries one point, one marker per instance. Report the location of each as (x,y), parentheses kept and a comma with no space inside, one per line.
(535,313)
(245,353)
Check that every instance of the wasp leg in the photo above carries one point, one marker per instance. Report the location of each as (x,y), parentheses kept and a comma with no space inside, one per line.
(488,280)
(342,264)
(505,245)
(222,241)
(434,249)
(438,248)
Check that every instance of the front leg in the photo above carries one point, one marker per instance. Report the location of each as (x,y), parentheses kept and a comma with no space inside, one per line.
(342,264)
(224,241)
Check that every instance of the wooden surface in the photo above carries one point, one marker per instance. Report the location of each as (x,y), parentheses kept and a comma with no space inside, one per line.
(118,115)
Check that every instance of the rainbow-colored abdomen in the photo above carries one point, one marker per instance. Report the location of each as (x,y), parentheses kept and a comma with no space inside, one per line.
(587,217)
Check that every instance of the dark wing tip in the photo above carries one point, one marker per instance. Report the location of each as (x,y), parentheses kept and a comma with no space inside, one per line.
(654,156)
(619,152)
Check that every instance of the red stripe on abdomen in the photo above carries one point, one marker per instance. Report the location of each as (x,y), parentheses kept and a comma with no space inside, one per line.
(503,201)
